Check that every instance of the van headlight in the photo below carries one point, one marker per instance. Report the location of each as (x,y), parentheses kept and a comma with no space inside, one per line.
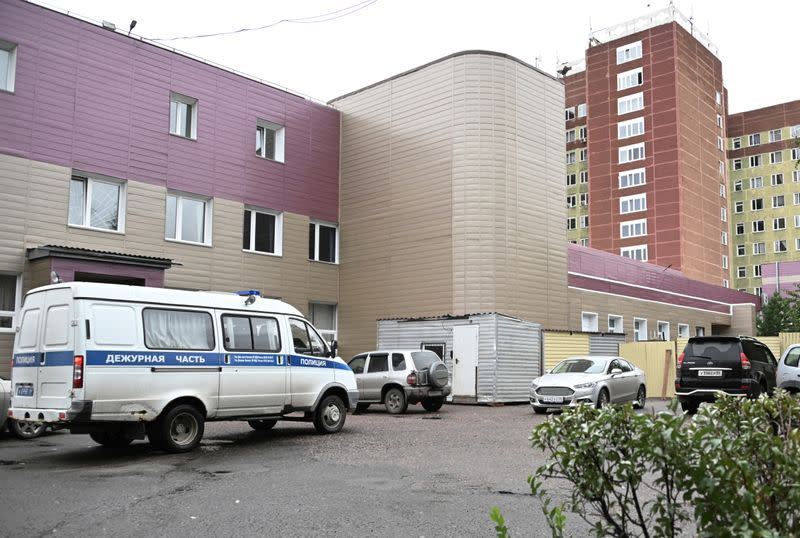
(589,385)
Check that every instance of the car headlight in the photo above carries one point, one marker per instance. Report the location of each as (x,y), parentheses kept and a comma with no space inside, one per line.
(586,385)
(534,384)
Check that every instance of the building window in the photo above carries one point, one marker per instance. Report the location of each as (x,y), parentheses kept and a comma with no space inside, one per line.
(584,241)
(683,330)
(757,271)
(796,198)
(572,223)
(663,330)
(188,219)
(778,201)
(584,221)
(775,135)
(779,223)
(797,243)
(699,331)
(582,155)
(736,143)
(630,128)
(737,164)
(718,99)
(584,177)
(720,144)
(754,139)
(739,228)
(632,204)
(589,322)
(719,121)
(777,179)
(8,65)
(724,261)
(629,79)
(571,200)
(323,242)
(756,182)
(570,157)
(582,110)
(569,113)
(756,204)
(780,245)
(262,231)
(725,283)
(776,157)
(738,207)
(755,161)
(723,214)
(638,252)
(758,226)
(571,179)
(797,221)
(630,103)
(582,134)
(639,329)
(796,154)
(759,291)
(183,116)
(740,250)
(633,228)
(758,249)
(741,272)
(796,174)
(323,318)
(634,152)
(570,136)
(615,324)
(738,186)
(795,131)
(722,190)
(626,53)
(10,289)
(723,238)
(98,204)
(585,198)
(721,168)
(270,140)
(631,178)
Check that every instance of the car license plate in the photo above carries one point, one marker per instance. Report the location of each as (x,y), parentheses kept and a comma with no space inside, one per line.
(709,373)
(552,399)
(25,390)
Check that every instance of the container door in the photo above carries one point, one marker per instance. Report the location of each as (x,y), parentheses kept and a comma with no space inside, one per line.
(57,351)
(465,360)
(25,373)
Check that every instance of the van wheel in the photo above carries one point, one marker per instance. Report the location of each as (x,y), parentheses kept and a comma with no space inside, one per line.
(263,424)
(395,400)
(26,429)
(180,429)
(433,404)
(330,414)
(110,438)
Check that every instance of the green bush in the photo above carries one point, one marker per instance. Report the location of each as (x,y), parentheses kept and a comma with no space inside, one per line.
(732,470)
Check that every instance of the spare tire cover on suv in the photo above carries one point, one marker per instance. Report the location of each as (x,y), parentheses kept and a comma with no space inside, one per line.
(437,374)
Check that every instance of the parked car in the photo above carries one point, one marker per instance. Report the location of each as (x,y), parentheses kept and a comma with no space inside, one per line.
(594,379)
(713,365)
(397,378)
(789,369)
(23,429)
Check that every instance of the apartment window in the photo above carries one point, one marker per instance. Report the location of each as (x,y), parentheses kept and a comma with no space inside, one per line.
(582,134)
(323,242)
(570,157)
(723,214)
(737,164)
(570,136)
(756,182)
(582,110)
(571,179)
(795,154)
(723,238)
(270,140)
(629,79)
(756,204)
(634,152)
(584,177)
(721,168)
(719,121)
(795,131)
(777,179)
(98,204)
(758,291)
(724,261)
(779,223)
(754,139)
(630,128)
(738,207)
(262,231)
(796,174)
(584,198)
(323,318)
(639,329)
(631,178)
(740,250)
(741,272)
(797,243)
(630,103)
(582,155)
(739,228)
(722,190)
(571,200)
(720,144)
(725,283)
(738,186)
(699,331)
(796,198)
(10,289)
(755,160)
(183,116)
(589,322)
(758,226)
(780,245)
(718,99)
(757,270)
(632,204)
(572,223)
(775,135)
(638,252)
(584,221)
(663,330)
(776,157)
(633,228)
(569,113)
(188,219)
(615,324)
(585,242)
(778,201)
(629,52)
(797,221)
(683,330)
(759,248)
(8,65)
(736,143)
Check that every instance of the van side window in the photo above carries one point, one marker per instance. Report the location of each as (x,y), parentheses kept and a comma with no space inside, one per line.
(246,333)
(178,329)
(306,340)
(30,328)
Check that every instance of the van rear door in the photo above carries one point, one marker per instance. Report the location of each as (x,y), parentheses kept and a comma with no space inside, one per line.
(27,358)
(57,346)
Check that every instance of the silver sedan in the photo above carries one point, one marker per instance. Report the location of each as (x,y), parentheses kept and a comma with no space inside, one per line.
(596,380)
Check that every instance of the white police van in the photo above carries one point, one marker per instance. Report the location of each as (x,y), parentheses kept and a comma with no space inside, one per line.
(121,362)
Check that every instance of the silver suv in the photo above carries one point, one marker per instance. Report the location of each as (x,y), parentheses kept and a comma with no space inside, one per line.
(397,378)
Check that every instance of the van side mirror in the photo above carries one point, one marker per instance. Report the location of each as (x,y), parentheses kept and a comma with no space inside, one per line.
(334,349)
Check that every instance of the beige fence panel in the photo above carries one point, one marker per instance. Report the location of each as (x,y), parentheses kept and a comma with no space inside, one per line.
(787,339)
(657,359)
(560,345)
(773,343)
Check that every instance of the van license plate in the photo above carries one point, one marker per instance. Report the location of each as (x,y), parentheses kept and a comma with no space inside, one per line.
(709,373)
(25,390)
(552,399)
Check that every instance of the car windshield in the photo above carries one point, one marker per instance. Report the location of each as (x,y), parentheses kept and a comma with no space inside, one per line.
(714,349)
(424,359)
(580,366)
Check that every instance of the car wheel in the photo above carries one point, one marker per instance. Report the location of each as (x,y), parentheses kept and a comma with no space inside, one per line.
(395,401)
(330,414)
(263,424)
(26,429)
(690,407)
(110,438)
(433,404)
(603,399)
(180,429)
(540,410)
(641,398)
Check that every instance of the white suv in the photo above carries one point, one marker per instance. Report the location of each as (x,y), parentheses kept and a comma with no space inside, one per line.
(789,369)
(397,378)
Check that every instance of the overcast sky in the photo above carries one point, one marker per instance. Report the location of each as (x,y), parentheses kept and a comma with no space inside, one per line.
(757,44)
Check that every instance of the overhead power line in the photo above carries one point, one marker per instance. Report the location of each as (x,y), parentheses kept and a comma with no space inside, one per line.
(325,17)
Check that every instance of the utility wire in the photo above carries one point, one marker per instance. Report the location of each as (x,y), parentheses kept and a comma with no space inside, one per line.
(325,17)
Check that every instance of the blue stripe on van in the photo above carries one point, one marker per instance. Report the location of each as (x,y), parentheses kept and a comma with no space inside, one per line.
(52,358)
(184,358)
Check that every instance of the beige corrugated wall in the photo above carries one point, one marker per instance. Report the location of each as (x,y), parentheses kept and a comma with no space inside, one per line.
(657,359)
(560,345)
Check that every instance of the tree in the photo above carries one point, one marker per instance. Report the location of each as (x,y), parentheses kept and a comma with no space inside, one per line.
(793,304)
(775,316)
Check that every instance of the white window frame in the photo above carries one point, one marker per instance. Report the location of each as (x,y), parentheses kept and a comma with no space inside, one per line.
(794,131)
(582,110)
(280,139)
(632,252)
(795,155)
(776,157)
(207,217)
(572,200)
(572,223)
(736,164)
(11,69)
(759,246)
(755,161)
(776,224)
(630,103)
(757,271)
(317,224)
(725,283)
(13,314)
(633,204)
(776,199)
(723,191)
(88,191)
(584,241)
(797,221)
(741,250)
(663,335)
(584,221)
(584,198)
(720,144)
(582,155)
(796,174)
(738,185)
(776,179)
(756,225)
(797,243)
(618,322)
(630,128)
(719,120)
(572,179)
(277,240)
(796,198)
(775,135)
(630,79)
(739,228)
(738,206)
(754,139)
(756,182)
(632,178)
(328,334)
(723,238)
(629,52)
(584,176)
(186,100)
(754,202)
(570,157)
(718,100)
(741,271)
(724,261)
(582,133)
(594,322)
(632,153)
(570,135)
(723,214)
(777,243)
(569,113)
(683,330)
(642,329)
(736,142)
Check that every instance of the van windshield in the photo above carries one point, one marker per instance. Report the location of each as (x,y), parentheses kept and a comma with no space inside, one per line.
(424,359)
